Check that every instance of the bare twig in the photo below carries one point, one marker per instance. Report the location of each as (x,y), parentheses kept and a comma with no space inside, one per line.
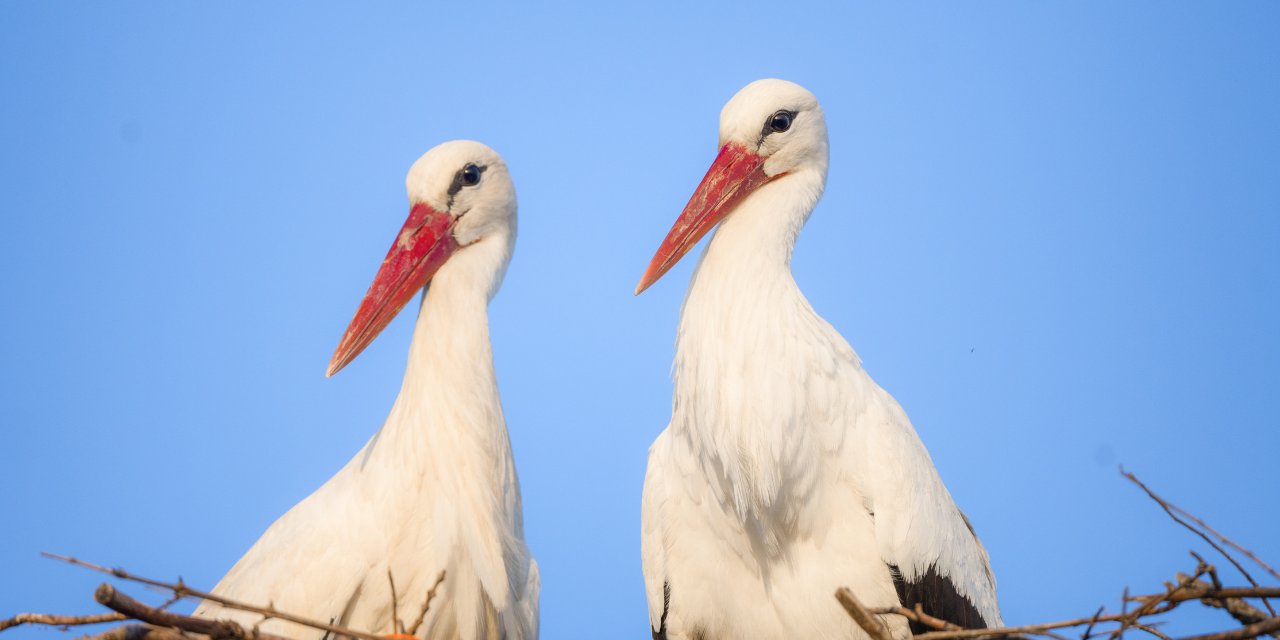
(180,589)
(1225,540)
(58,621)
(139,632)
(1243,633)
(1088,631)
(874,626)
(396,626)
(1151,604)
(107,596)
(917,615)
(1193,592)
(1170,508)
(431,595)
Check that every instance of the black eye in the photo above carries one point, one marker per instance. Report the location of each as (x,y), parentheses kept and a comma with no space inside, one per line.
(470,175)
(781,121)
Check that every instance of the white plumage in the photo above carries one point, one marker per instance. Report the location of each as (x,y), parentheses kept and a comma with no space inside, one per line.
(785,471)
(435,489)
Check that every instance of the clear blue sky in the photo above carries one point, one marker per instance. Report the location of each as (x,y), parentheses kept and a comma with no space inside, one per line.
(1050,230)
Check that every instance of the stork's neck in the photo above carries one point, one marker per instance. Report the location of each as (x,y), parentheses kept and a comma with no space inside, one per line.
(747,264)
(448,403)
(747,340)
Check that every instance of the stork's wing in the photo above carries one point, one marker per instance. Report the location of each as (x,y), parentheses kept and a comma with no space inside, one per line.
(937,596)
(928,545)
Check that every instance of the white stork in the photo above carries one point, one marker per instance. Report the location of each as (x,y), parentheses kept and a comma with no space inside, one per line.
(435,489)
(785,472)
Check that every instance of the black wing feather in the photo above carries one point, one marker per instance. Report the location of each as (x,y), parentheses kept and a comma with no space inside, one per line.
(937,596)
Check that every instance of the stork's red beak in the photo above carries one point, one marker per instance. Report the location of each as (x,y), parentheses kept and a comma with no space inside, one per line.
(424,243)
(732,177)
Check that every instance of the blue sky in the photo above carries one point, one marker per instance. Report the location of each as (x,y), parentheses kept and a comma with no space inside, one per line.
(1050,230)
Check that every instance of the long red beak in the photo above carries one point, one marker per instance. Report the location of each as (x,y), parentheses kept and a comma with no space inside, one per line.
(423,245)
(732,177)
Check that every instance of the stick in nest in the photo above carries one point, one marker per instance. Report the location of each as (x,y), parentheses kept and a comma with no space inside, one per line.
(181,590)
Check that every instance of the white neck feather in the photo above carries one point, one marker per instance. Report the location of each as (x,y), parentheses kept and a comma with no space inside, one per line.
(746,350)
(448,404)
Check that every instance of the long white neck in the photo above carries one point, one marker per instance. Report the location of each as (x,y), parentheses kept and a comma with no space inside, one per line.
(448,404)
(747,345)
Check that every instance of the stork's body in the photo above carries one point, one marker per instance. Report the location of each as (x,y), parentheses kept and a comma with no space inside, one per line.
(785,472)
(435,489)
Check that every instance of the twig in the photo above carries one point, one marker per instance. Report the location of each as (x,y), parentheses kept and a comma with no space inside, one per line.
(1192,592)
(107,596)
(917,615)
(1024,629)
(58,621)
(180,589)
(1149,605)
(1243,633)
(1169,509)
(138,632)
(874,626)
(431,595)
(396,627)
(1088,631)
(1225,540)
(1151,629)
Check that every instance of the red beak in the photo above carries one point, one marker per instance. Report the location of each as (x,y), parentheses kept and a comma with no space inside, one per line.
(732,177)
(423,245)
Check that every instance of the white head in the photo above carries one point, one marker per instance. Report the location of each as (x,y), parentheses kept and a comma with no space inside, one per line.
(468,181)
(771,130)
(462,208)
(779,121)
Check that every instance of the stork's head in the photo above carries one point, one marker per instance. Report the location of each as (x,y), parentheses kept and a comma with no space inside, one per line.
(461,201)
(770,130)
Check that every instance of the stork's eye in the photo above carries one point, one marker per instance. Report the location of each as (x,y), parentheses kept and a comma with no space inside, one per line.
(781,121)
(470,175)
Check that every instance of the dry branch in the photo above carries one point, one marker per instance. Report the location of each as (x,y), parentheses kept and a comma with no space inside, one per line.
(181,590)
(107,596)
(918,615)
(426,605)
(1170,509)
(874,626)
(1244,633)
(58,621)
(138,632)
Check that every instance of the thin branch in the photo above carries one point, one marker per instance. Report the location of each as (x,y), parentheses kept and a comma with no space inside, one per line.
(1025,629)
(182,590)
(107,596)
(1243,633)
(1169,509)
(396,626)
(138,632)
(1088,631)
(874,626)
(917,615)
(1225,540)
(1151,629)
(422,615)
(1192,592)
(59,621)
(1149,605)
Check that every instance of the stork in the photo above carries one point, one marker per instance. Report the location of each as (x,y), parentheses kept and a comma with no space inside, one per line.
(435,489)
(785,472)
